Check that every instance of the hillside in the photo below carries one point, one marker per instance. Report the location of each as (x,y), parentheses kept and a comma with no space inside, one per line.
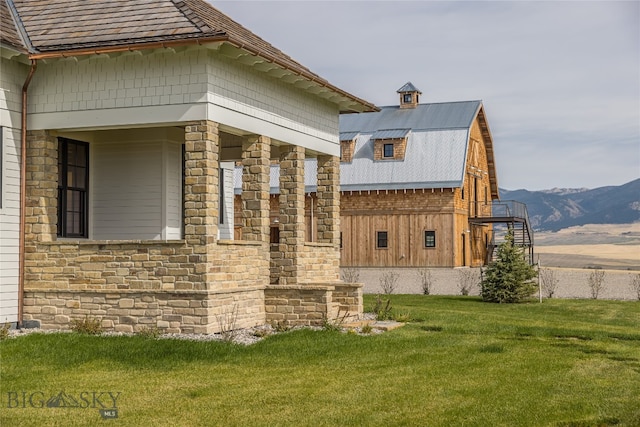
(555,209)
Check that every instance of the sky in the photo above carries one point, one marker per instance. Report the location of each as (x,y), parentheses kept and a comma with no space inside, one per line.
(559,80)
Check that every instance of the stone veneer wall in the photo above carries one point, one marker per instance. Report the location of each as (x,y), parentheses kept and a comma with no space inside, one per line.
(137,310)
(320,263)
(135,284)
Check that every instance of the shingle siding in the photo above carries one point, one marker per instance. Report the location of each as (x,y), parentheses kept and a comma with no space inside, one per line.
(9,224)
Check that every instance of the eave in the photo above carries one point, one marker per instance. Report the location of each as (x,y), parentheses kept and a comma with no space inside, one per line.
(245,54)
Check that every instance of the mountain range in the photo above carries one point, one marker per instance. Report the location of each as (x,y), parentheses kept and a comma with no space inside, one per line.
(558,208)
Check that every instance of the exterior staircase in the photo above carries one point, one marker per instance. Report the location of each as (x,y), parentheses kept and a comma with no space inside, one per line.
(506,216)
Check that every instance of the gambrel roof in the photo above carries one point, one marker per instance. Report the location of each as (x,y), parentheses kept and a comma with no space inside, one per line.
(55,28)
(436,150)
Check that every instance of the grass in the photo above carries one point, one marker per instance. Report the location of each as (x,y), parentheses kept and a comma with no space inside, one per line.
(458,362)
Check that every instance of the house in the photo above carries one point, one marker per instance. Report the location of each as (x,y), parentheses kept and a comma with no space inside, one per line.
(419,187)
(118,144)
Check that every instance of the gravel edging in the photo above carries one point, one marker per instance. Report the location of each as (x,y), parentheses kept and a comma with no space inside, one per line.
(246,336)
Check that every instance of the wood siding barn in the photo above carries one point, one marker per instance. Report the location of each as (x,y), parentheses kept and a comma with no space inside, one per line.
(414,180)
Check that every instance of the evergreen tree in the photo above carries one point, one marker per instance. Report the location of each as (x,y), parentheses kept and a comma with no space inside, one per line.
(509,278)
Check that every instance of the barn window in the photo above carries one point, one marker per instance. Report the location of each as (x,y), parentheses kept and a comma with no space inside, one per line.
(429,239)
(73,188)
(382,240)
(388,150)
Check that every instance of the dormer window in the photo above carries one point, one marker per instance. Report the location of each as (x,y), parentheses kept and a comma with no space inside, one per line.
(390,144)
(406,98)
(347,146)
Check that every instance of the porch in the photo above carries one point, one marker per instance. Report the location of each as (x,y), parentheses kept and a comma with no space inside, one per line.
(135,227)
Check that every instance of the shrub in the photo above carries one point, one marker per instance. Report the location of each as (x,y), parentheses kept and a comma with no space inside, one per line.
(425,280)
(596,283)
(87,325)
(549,281)
(350,275)
(634,283)
(388,282)
(382,308)
(280,326)
(150,332)
(402,317)
(335,324)
(227,323)
(508,279)
(4,331)
(366,329)
(467,279)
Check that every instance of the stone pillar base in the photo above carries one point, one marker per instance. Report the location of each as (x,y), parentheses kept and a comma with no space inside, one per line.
(312,304)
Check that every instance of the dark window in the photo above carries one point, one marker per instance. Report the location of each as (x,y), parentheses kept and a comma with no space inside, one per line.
(462,192)
(73,188)
(341,240)
(429,239)
(221,206)
(387,150)
(406,98)
(381,239)
(275,234)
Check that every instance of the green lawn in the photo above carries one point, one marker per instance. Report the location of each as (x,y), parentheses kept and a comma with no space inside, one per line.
(458,362)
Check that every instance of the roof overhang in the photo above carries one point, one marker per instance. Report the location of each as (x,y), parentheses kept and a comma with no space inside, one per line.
(245,54)
(491,160)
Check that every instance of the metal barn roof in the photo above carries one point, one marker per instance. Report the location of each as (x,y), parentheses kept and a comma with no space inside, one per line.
(446,115)
(436,150)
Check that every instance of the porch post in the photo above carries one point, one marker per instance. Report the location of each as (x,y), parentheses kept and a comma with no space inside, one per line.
(292,227)
(201,184)
(41,213)
(328,194)
(256,172)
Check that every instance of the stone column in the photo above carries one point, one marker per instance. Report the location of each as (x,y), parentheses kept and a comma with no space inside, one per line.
(201,184)
(328,194)
(292,227)
(41,213)
(256,173)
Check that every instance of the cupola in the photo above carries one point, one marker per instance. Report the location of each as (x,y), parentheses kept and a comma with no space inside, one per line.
(409,96)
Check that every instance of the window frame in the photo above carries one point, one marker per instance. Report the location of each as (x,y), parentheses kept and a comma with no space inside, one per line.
(82,209)
(384,150)
(429,235)
(407,98)
(379,239)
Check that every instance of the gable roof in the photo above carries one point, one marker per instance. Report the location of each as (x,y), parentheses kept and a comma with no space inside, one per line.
(58,28)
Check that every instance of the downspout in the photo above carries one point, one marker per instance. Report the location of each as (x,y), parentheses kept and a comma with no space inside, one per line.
(23,190)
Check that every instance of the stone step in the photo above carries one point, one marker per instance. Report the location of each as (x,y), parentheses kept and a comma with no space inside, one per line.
(383,325)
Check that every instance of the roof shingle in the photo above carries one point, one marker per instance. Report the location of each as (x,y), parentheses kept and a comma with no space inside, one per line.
(61,27)
(8,32)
